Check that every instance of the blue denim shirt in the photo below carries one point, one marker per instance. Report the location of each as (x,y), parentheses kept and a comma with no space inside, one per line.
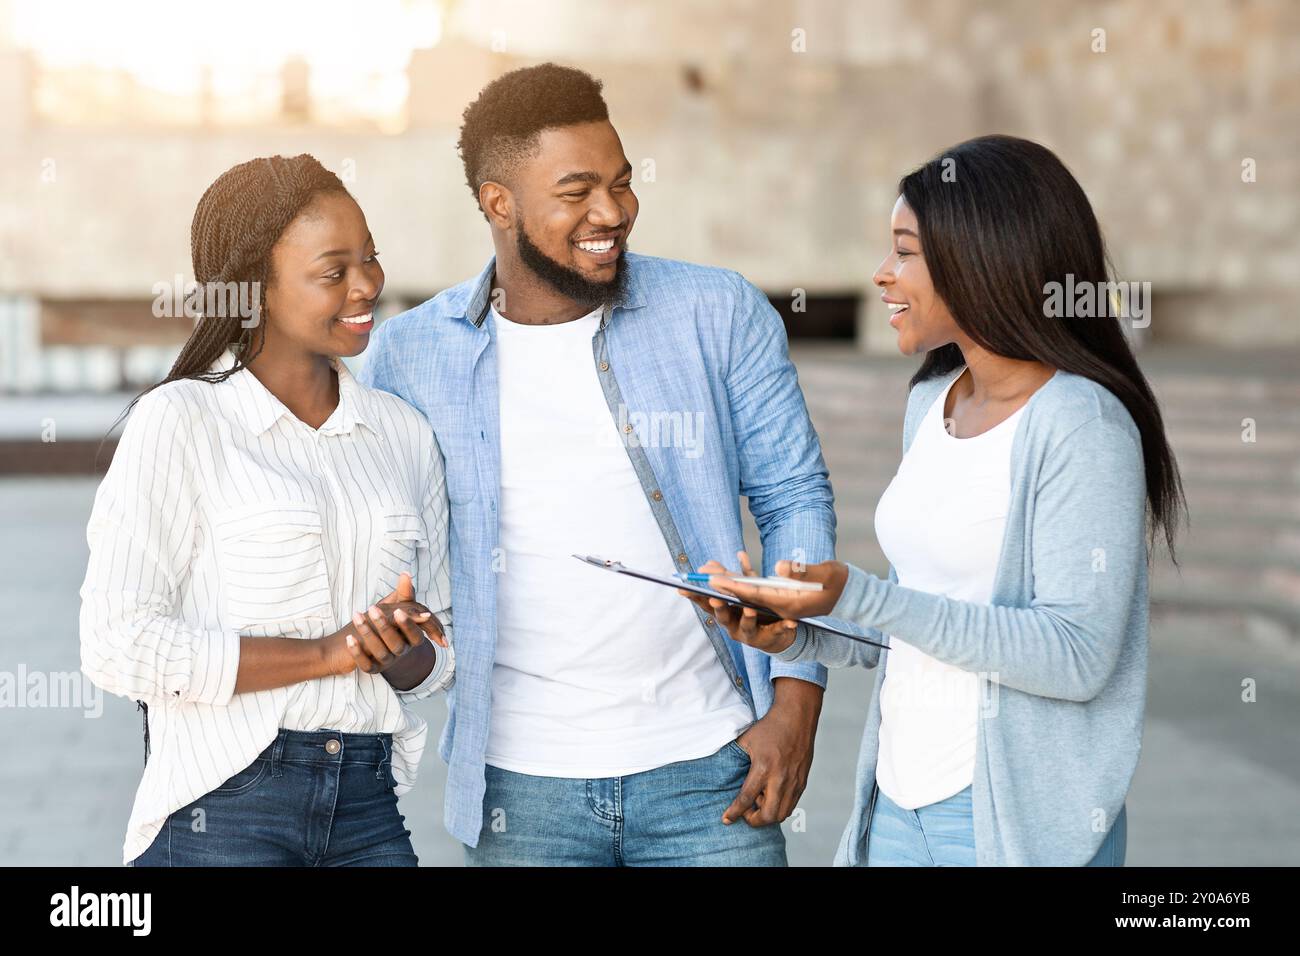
(694,366)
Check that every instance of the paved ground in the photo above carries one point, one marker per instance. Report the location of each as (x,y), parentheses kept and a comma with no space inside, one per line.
(1219,781)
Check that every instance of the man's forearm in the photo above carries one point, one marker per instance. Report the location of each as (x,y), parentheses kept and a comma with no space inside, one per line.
(798,698)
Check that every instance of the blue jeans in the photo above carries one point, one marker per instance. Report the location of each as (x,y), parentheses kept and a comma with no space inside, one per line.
(668,816)
(943,834)
(297,804)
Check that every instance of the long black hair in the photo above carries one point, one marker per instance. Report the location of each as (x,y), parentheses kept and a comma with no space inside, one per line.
(1001,218)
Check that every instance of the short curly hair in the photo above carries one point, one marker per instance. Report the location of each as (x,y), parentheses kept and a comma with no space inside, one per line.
(501,127)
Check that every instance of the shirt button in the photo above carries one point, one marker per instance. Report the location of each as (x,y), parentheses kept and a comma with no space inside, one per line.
(681,559)
(740,682)
(604,366)
(332,746)
(627,428)
(708,622)
(657,496)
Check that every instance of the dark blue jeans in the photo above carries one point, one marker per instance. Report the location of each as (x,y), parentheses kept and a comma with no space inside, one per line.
(319,798)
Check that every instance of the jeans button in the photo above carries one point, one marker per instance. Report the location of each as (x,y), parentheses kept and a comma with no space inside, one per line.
(332,746)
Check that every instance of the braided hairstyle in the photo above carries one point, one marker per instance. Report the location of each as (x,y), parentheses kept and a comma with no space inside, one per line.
(239,219)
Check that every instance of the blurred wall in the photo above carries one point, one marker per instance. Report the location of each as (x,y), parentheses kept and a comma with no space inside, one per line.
(767,137)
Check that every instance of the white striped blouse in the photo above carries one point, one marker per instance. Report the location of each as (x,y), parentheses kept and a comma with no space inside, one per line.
(221,515)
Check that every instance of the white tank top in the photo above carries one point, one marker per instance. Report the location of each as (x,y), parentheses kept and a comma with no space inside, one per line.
(940,523)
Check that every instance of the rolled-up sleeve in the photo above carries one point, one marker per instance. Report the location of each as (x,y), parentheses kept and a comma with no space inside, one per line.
(782,473)
(141,535)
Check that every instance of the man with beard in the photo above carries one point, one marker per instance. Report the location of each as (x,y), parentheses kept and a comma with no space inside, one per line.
(592,401)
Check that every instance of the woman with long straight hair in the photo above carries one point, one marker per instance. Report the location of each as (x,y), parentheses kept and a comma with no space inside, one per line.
(1007,716)
(268,551)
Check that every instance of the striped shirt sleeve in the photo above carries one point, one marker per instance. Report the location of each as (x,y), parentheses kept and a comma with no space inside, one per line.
(142,536)
(432,577)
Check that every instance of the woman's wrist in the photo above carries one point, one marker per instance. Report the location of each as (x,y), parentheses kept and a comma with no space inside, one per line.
(335,659)
(848,604)
(796,647)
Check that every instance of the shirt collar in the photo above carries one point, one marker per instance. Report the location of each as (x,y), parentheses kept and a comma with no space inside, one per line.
(259,409)
(480,293)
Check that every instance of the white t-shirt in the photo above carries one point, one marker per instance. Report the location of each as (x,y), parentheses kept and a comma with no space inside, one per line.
(595,675)
(940,522)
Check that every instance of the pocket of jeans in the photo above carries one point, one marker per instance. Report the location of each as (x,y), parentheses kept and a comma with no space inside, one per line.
(273,565)
(737,751)
(401,535)
(245,780)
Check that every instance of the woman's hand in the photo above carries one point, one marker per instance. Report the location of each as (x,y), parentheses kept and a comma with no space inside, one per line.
(831,575)
(376,640)
(742,623)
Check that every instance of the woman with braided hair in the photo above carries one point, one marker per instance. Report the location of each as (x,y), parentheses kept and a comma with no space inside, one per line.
(268,553)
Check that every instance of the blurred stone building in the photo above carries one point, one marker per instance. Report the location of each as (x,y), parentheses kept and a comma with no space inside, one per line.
(766,136)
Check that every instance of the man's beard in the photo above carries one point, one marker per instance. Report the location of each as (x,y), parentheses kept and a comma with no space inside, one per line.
(566,281)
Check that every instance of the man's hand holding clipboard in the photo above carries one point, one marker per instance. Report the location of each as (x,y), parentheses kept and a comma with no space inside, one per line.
(764,617)
(746,623)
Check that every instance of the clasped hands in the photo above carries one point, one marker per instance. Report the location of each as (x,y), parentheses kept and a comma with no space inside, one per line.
(376,640)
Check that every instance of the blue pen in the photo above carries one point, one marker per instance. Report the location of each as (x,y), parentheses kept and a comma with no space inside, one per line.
(785,584)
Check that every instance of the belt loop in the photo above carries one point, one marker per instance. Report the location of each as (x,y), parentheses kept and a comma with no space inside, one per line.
(277,752)
(379,771)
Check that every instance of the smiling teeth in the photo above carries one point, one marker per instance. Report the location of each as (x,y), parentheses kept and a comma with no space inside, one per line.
(602,245)
(896,306)
(358,319)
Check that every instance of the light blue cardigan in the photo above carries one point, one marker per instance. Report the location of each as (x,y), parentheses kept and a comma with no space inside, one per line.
(1061,650)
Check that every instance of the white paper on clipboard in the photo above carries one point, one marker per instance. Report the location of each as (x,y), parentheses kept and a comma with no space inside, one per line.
(820,623)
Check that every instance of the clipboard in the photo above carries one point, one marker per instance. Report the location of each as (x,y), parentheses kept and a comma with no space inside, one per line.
(820,623)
